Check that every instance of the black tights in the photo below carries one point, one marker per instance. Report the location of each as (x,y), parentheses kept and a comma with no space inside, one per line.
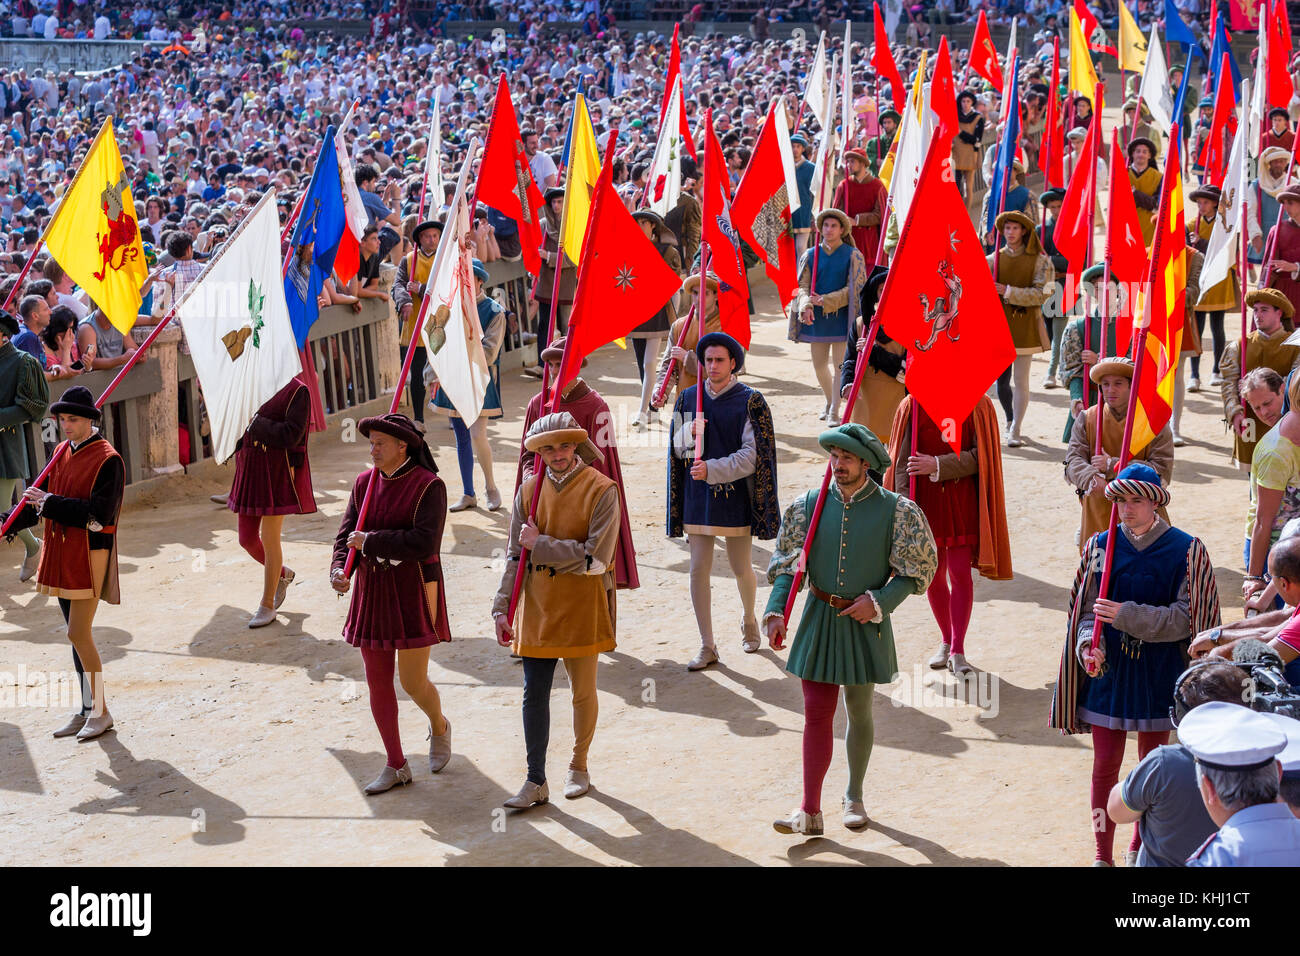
(416,381)
(1216,333)
(86,707)
(1004,393)
(638,346)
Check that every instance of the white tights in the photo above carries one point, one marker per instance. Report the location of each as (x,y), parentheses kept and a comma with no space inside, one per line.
(742,566)
(827,358)
(653,349)
(1020,391)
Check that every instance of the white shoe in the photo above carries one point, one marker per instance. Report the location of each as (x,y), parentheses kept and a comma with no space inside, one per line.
(74,725)
(389,778)
(264,616)
(30,564)
(529,795)
(1015,441)
(957,664)
(94,726)
(1179,441)
(1216,379)
(1050,382)
(439,748)
(282,587)
(219,499)
(1194,385)
(855,814)
(706,656)
(466,502)
(493,499)
(576,783)
(796,821)
(940,659)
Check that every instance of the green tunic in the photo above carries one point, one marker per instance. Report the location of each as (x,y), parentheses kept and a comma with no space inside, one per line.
(24,397)
(849,558)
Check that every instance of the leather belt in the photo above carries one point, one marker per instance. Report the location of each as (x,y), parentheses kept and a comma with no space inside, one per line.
(839,603)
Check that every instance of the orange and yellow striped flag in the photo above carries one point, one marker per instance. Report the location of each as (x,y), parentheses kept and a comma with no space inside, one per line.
(1162,311)
(94,235)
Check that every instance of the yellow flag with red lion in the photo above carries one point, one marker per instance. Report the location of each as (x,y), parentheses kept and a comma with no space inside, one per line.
(94,235)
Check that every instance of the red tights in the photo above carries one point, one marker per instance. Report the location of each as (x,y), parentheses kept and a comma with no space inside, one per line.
(1107,755)
(380,668)
(952,595)
(819,703)
(250,538)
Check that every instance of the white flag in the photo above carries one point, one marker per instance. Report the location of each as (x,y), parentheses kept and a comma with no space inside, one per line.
(453,337)
(787,154)
(914,137)
(433,188)
(848,117)
(1256,115)
(664,178)
(815,91)
(1154,90)
(237,326)
(823,175)
(1221,252)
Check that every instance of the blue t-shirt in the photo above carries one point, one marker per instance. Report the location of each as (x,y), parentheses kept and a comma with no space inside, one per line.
(1174,821)
(29,342)
(375,207)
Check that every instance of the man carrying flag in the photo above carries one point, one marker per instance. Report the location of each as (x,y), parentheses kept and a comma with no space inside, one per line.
(719,234)
(861,197)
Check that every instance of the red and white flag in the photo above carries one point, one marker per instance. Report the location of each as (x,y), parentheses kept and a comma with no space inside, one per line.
(348,258)
(766,198)
(718,232)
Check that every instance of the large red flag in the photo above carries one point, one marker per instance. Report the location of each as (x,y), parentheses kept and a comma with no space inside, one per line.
(761,208)
(1090,26)
(724,245)
(882,59)
(674,70)
(1073,232)
(1279,54)
(1214,149)
(622,279)
(940,303)
(1124,246)
(984,55)
(1167,290)
(506,183)
(1051,157)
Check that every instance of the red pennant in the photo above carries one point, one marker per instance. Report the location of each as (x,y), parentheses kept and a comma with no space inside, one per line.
(984,55)
(505,181)
(717,231)
(882,60)
(761,210)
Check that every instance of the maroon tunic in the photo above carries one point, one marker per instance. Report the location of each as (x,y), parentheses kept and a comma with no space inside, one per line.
(853,198)
(390,607)
(1286,248)
(272,474)
(591,412)
(951,507)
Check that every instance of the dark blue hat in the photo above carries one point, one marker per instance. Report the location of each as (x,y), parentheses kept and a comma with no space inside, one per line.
(727,342)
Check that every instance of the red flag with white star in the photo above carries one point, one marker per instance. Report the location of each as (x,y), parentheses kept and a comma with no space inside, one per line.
(622,278)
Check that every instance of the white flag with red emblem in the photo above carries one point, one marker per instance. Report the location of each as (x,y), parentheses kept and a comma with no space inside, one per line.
(664,180)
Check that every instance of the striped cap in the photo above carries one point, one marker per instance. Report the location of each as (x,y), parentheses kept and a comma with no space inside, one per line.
(1140,480)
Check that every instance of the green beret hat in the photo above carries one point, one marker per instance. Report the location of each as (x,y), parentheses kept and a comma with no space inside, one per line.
(857,440)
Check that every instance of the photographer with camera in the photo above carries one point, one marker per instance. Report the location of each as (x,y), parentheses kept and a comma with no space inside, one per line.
(1236,752)
(1161,794)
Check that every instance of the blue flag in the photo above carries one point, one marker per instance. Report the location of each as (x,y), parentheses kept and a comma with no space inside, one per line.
(1177,114)
(1220,47)
(320,223)
(568,137)
(1176,31)
(1006,154)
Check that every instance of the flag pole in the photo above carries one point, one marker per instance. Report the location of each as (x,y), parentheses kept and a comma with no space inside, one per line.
(704,257)
(539,472)
(410,352)
(140,351)
(1242,268)
(1267,267)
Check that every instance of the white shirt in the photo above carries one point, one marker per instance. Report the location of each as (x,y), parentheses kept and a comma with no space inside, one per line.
(543,168)
(102,27)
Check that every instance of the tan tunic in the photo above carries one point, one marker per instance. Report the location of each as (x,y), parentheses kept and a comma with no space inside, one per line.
(1079,471)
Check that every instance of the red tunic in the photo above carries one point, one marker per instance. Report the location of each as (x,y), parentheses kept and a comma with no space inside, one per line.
(591,412)
(1286,248)
(390,608)
(65,569)
(951,507)
(852,198)
(272,473)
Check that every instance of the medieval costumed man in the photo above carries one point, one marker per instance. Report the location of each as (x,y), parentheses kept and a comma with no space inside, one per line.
(1282,272)
(1161,594)
(564,609)
(80,502)
(648,337)
(678,366)
(961,495)
(472,441)
(1088,472)
(1023,276)
(861,197)
(1145,181)
(822,316)
(871,550)
(272,479)
(882,381)
(1263,207)
(24,397)
(966,147)
(408,293)
(1266,347)
(551,228)
(399,608)
(729,492)
(590,410)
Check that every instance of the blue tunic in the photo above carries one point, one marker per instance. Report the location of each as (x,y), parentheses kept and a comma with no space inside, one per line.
(726,505)
(488,308)
(832,275)
(801,218)
(1137,687)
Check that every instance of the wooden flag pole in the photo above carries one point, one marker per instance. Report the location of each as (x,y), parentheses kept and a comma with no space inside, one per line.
(410,352)
(1242,269)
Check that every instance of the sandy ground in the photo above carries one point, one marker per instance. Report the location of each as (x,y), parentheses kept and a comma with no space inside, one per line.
(239,746)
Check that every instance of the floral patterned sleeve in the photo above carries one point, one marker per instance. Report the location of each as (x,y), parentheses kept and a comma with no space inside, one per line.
(912,553)
(785,557)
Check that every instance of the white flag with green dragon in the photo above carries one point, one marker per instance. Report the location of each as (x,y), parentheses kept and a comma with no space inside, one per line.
(237,326)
